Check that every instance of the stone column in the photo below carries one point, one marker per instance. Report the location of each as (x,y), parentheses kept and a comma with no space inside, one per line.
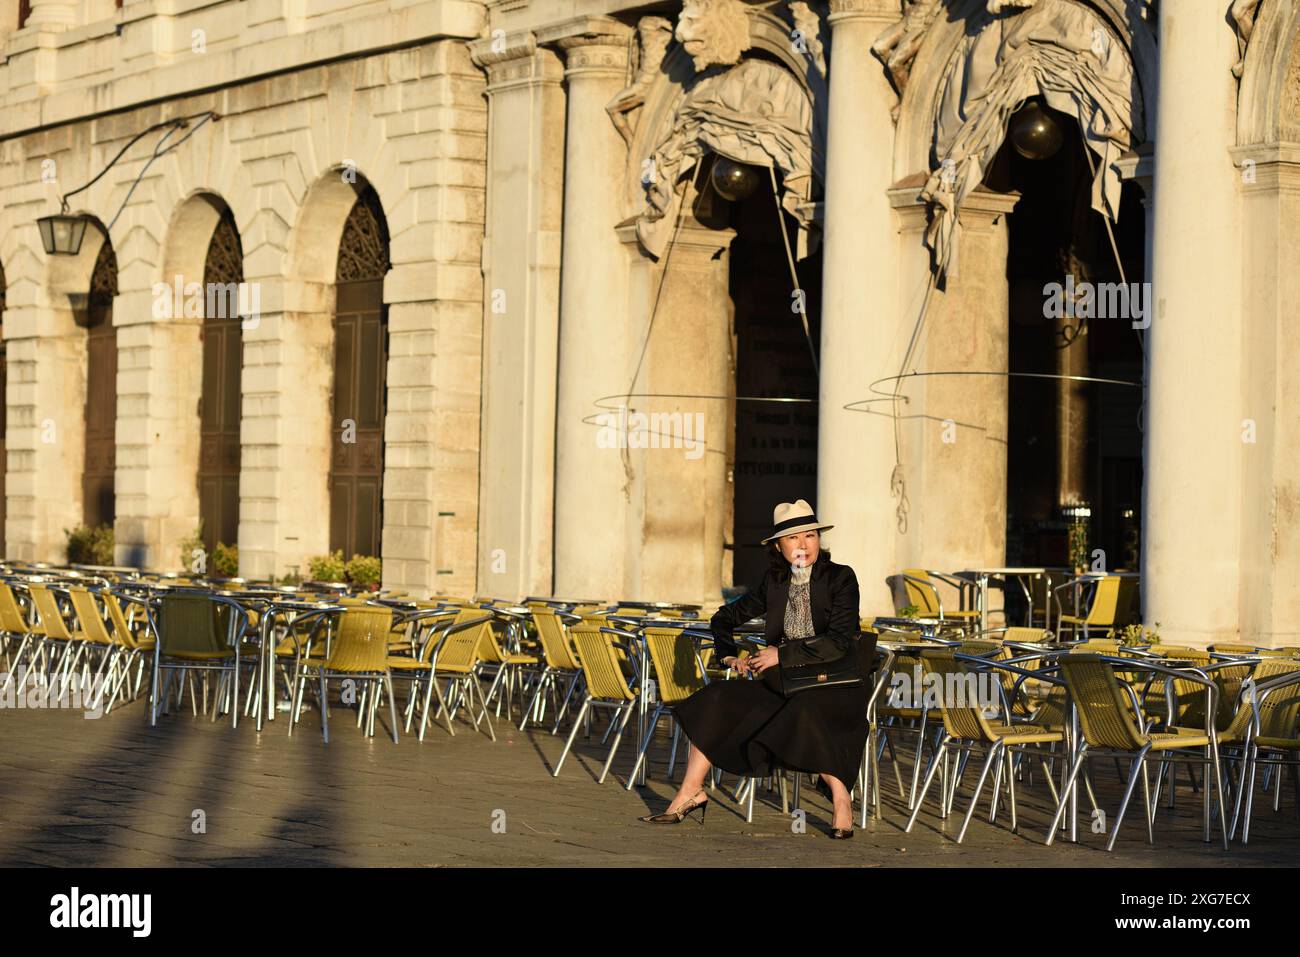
(284,433)
(955,427)
(676,455)
(1193,438)
(1270,496)
(862,337)
(521,269)
(46,398)
(1071,415)
(590,483)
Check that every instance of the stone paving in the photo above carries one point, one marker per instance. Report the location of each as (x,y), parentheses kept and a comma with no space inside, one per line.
(76,792)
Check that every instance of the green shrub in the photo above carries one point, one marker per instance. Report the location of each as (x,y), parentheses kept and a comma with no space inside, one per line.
(909,611)
(364,570)
(225,560)
(1136,634)
(90,546)
(327,568)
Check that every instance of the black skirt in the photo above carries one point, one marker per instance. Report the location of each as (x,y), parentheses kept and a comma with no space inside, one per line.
(748,727)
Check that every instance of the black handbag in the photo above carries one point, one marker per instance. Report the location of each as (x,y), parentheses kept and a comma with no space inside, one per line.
(842,672)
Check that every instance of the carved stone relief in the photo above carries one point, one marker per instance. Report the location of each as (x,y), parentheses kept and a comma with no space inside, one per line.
(713,32)
(752,110)
(654,34)
(1243,14)
(1056,49)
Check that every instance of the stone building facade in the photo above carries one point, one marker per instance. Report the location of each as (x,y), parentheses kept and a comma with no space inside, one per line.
(561,298)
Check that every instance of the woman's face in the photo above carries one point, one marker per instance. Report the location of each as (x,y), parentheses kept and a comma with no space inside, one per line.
(801,548)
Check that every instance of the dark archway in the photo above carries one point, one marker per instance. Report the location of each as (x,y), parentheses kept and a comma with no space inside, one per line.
(360,380)
(97,478)
(219,408)
(1071,444)
(774,457)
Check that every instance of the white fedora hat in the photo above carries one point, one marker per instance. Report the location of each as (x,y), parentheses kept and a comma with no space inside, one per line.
(789,518)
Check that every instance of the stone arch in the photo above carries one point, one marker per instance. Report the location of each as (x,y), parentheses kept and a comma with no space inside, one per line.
(198,330)
(913,142)
(1003,62)
(770,40)
(1268,104)
(314,273)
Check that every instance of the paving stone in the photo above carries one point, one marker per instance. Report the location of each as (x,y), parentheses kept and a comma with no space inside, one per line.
(116,792)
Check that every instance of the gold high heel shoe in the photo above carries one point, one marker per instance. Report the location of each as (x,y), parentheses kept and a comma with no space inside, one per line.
(676,817)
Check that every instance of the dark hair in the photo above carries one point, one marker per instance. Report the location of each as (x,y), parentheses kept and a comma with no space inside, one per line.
(780,565)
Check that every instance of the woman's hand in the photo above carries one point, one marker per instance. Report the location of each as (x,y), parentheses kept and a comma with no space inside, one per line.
(765,659)
(739,665)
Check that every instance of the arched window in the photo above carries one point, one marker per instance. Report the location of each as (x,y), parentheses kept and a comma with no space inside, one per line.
(360,366)
(219,408)
(101,392)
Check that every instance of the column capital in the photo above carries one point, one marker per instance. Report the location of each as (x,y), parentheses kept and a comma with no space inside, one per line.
(1267,167)
(593,46)
(980,210)
(1139,165)
(881,11)
(515,59)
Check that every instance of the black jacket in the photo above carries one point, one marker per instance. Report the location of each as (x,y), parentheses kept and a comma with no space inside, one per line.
(833,594)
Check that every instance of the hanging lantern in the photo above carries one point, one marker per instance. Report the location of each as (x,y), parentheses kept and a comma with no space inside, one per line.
(1035,132)
(61,235)
(734,181)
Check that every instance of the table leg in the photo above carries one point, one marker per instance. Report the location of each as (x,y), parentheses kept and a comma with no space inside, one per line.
(641,710)
(268,656)
(1074,791)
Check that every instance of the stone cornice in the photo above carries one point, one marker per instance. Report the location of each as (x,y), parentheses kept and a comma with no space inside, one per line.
(1276,167)
(581,31)
(982,205)
(59,86)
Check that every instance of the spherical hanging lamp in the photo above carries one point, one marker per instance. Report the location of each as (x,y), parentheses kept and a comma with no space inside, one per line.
(1035,132)
(734,181)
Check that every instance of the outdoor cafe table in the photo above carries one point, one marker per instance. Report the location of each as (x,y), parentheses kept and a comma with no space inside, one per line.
(270,607)
(979,578)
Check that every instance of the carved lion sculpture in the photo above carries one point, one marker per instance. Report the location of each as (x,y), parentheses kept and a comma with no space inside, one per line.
(713,31)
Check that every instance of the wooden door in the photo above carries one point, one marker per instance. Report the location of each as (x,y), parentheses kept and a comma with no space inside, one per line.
(101,393)
(359,398)
(219,405)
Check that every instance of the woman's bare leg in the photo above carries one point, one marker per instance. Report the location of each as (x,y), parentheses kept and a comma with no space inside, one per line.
(842,801)
(697,766)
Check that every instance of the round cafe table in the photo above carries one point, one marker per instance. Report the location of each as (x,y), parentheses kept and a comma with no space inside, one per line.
(270,608)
